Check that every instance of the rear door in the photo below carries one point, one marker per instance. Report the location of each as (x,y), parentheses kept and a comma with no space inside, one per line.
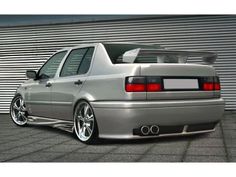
(69,82)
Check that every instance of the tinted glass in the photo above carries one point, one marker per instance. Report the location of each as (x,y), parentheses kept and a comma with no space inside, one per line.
(78,62)
(135,53)
(157,59)
(50,68)
(72,62)
(85,64)
(115,51)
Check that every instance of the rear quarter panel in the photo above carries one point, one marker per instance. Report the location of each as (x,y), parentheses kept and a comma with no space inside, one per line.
(106,81)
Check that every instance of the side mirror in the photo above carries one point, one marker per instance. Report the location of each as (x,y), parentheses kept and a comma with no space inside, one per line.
(31,74)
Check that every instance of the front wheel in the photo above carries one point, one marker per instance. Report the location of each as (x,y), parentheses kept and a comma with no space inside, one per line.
(85,123)
(18,111)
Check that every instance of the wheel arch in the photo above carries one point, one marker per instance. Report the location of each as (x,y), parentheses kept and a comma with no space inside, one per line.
(16,94)
(21,91)
(82,96)
(78,101)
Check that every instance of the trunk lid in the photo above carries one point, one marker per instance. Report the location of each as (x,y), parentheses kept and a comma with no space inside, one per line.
(179,81)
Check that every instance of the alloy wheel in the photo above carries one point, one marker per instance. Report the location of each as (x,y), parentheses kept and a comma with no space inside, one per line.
(84,121)
(18,111)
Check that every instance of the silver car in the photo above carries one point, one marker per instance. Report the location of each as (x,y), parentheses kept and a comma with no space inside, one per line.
(122,91)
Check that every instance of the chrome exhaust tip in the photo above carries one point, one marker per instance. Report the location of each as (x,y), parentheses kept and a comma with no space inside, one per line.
(154,129)
(145,130)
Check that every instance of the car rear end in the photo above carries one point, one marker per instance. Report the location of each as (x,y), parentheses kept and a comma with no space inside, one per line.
(175,97)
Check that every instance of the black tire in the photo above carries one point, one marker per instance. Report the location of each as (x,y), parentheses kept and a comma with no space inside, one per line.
(79,125)
(22,119)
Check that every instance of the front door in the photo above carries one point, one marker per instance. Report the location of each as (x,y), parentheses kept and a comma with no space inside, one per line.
(38,97)
(66,87)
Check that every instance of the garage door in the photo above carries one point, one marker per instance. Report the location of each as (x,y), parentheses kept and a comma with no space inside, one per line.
(28,47)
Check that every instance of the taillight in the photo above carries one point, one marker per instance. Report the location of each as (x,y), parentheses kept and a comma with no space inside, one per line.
(153,87)
(211,83)
(143,84)
(135,87)
(154,84)
(135,84)
(217,86)
(208,86)
(217,83)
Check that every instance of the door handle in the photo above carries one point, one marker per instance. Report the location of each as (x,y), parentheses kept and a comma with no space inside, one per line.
(49,84)
(79,82)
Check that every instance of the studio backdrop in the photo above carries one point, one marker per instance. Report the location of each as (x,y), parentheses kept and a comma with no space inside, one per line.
(28,47)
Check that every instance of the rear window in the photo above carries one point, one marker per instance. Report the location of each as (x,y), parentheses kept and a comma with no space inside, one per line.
(116,51)
(134,53)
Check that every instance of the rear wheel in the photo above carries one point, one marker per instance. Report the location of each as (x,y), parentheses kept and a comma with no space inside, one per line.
(18,111)
(85,123)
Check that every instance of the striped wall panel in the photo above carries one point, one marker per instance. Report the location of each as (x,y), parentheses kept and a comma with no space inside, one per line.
(29,47)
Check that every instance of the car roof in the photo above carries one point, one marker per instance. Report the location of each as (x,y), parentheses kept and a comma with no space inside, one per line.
(131,43)
(104,43)
(80,45)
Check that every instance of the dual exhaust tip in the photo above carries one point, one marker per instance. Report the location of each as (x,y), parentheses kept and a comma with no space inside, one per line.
(153,129)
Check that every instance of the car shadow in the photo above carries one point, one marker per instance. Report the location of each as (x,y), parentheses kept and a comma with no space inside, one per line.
(52,130)
(148,140)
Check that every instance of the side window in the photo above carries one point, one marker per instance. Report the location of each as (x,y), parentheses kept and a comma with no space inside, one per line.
(85,64)
(77,59)
(49,69)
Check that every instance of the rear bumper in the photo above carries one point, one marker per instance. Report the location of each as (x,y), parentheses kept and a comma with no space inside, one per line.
(118,119)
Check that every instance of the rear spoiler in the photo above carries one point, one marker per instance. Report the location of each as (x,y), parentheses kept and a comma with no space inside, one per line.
(207,57)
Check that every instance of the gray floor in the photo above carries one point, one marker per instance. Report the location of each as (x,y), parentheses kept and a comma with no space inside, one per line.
(44,144)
